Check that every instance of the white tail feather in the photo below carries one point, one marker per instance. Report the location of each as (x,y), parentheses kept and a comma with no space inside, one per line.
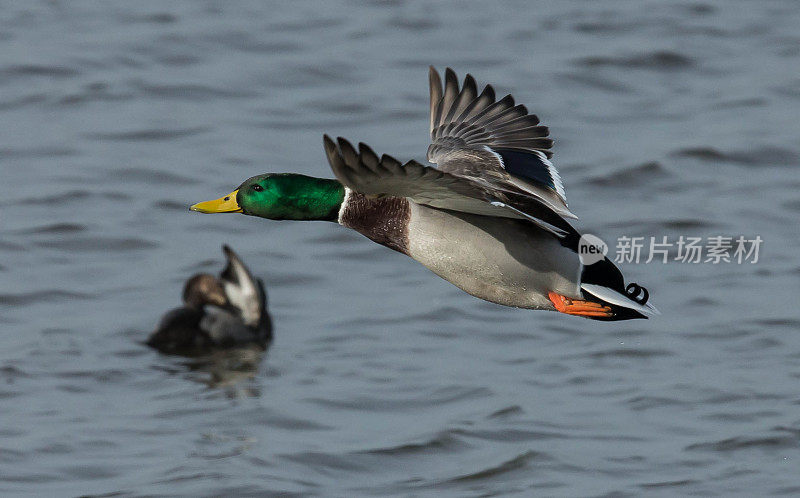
(611,296)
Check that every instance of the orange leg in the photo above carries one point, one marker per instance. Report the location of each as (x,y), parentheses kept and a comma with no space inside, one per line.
(580,308)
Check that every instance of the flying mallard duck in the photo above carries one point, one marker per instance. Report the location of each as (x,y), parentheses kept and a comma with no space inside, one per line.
(217,312)
(490,218)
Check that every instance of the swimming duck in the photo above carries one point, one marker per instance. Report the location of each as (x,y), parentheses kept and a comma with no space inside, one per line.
(491,218)
(217,312)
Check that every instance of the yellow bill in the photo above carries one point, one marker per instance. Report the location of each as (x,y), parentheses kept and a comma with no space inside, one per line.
(225,204)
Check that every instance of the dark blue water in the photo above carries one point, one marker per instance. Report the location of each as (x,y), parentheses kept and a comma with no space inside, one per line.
(671,119)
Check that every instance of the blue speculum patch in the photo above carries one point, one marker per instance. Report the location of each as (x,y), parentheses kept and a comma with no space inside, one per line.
(526,165)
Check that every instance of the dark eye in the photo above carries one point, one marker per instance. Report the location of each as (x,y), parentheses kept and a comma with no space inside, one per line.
(257,187)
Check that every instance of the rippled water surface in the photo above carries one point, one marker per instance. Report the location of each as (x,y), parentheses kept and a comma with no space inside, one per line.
(671,118)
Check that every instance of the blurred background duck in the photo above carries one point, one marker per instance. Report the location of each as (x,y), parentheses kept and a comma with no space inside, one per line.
(218,312)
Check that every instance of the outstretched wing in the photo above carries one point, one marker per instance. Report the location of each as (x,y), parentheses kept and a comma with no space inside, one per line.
(363,171)
(492,141)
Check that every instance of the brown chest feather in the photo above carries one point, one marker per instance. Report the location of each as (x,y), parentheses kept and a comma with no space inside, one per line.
(383,220)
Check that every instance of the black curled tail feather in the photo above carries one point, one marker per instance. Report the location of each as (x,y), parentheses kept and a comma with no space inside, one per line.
(637,293)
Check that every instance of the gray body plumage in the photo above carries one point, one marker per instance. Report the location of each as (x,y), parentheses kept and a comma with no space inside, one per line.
(502,260)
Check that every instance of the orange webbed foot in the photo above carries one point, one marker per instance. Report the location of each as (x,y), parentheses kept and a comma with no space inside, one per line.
(577,307)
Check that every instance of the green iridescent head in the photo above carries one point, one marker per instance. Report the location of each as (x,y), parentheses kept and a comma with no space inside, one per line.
(281,196)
